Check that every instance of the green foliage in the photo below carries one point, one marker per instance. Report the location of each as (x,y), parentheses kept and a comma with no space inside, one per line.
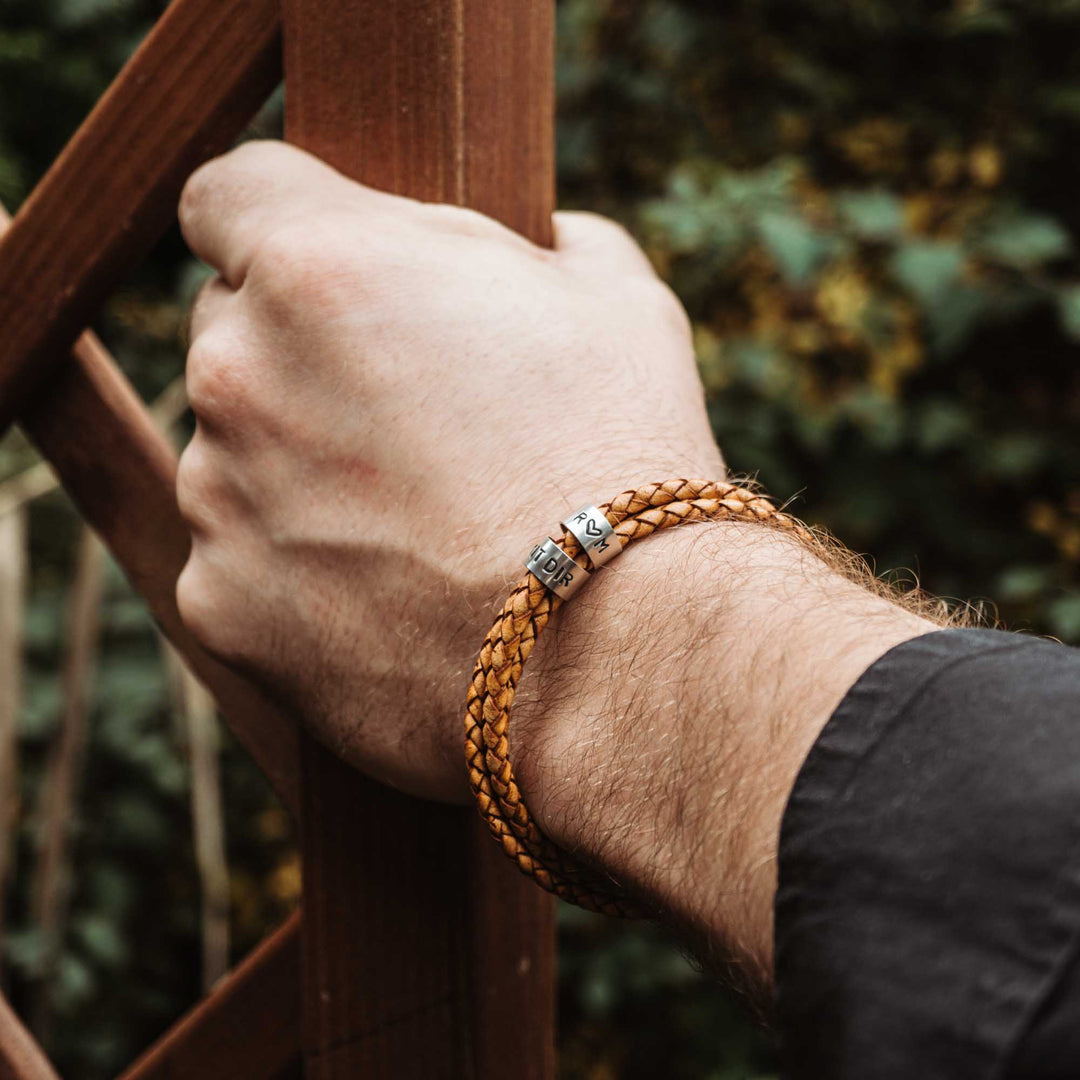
(869,210)
(129,959)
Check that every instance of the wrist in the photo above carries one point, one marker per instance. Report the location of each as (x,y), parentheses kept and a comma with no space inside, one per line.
(661,722)
(590,706)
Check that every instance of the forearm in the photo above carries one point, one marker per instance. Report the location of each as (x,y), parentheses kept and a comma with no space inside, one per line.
(350,525)
(660,727)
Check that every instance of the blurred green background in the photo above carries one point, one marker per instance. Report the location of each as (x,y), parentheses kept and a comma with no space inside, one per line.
(869,210)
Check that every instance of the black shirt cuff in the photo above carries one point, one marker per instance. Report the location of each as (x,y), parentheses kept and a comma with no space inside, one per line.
(928,911)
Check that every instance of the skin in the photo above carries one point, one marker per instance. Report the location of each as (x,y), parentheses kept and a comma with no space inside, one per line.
(394,400)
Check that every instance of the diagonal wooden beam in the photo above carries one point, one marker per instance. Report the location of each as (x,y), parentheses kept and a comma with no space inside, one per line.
(426,954)
(248,1027)
(120,470)
(20,1056)
(100,207)
(185,95)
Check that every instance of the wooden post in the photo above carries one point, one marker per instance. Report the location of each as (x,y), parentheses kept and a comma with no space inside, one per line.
(248,1029)
(425,955)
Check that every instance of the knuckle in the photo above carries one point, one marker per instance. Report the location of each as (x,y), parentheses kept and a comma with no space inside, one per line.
(206,307)
(598,226)
(192,485)
(198,601)
(254,157)
(258,155)
(236,170)
(672,308)
(206,496)
(193,598)
(242,170)
(594,236)
(623,243)
(217,388)
(657,297)
(196,192)
(464,221)
(313,261)
(605,226)
(278,247)
(282,252)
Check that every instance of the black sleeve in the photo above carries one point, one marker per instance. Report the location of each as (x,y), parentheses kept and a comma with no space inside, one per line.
(928,911)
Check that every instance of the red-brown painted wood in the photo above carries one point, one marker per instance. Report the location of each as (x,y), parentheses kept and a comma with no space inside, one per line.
(20,1056)
(121,473)
(248,1028)
(120,470)
(425,955)
(184,96)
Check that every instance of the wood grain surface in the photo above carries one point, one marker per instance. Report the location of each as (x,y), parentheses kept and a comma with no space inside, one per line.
(247,1029)
(424,953)
(184,96)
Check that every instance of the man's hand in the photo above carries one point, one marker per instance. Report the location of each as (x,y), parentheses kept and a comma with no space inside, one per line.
(394,400)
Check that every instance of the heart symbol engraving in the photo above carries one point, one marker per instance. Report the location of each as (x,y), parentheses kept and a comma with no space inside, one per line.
(591,528)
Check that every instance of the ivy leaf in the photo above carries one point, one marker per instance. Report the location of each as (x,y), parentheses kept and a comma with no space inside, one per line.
(872,215)
(72,14)
(101,938)
(1022,582)
(941,424)
(1015,456)
(932,271)
(928,269)
(1022,240)
(1064,617)
(75,981)
(1068,304)
(795,246)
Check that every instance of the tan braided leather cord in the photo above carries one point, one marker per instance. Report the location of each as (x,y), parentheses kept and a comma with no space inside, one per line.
(634,515)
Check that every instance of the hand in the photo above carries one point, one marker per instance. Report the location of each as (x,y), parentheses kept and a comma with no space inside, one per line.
(394,400)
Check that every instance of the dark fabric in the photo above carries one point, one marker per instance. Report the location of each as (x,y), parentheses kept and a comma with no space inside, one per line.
(928,911)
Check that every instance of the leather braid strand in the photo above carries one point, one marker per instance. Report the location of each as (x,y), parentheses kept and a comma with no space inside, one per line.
(634,515)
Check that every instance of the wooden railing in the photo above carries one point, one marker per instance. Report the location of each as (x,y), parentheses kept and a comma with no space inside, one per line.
(401,965)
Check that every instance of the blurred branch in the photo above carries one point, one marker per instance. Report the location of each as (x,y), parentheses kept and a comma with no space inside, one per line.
(23,488)
(12,597)
(60,783)
(63,770)
(194,705)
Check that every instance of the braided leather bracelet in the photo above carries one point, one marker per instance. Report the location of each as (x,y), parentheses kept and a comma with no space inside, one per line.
(556,570)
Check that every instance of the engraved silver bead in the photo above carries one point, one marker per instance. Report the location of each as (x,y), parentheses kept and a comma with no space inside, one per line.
(555,569)
(596,537)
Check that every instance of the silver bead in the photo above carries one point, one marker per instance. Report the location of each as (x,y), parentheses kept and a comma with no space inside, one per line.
(596,537)
(555,569)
